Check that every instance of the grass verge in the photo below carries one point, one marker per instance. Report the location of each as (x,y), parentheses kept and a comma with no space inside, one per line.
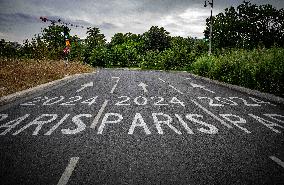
(260,69)
(17,75)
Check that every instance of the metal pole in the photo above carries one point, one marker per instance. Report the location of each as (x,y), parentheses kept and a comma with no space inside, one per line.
(210,38)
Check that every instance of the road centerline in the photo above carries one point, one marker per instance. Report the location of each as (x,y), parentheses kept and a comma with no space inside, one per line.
(278,161)
(68,171)
(98,116)
(211,114)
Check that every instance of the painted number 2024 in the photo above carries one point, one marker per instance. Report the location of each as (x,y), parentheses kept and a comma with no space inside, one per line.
(140,100)
(60,100)
(220,101)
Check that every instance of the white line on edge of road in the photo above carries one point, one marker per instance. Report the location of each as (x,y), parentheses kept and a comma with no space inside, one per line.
(98,116)
(211,114)
(278,161)
(112,90)
(68,171)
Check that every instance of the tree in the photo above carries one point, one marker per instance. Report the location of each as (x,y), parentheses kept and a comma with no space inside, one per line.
(157,39)
(247,26)
(94,38)
(93,41)
(118,38)
(225,29)
(53,36)
(77,48)
(9,49)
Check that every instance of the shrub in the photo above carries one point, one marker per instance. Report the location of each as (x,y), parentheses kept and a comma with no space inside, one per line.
(257,69)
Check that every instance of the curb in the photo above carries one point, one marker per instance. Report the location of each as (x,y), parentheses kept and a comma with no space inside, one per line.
(5,99)
(270,97)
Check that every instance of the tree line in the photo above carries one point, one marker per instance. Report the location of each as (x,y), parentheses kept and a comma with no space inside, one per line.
(247,26)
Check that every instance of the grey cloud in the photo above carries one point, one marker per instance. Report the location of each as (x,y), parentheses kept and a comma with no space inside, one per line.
(168,6)
(21,18)
(111,16)
(172,25)
(106,25)
(17,17)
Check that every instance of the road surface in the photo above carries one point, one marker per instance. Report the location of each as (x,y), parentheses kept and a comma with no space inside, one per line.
(141,127)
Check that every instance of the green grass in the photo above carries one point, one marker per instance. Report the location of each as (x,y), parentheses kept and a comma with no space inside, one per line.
(260,69)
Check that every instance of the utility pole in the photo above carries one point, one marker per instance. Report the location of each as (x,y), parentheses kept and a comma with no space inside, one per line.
(210,37)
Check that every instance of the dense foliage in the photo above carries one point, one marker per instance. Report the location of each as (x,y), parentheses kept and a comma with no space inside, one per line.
(261,69)
(152,49)
(247,42)
(248,26)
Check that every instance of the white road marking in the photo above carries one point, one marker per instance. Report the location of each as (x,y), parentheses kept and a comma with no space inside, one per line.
(116,82)
(211,114)
(162,80)
(68,171)
(12,124)
(212,128)
(167,122)
(3,116)
(260,101)
(143,85)
(184,124)
(200,86)
(188,78)
(106,121)
(272,116)
(138,118)
(38,123)
(176,89)
(235,121)
(78,122)
(267,123)
(90,84)
(278,161)
(98,116)
(57,125)
(171,86)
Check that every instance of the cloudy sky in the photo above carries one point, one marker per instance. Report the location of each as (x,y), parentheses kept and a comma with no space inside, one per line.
(19,19)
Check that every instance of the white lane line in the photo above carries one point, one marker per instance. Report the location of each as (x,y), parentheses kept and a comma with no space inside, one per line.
(171,86)
(162,80)
(201,87)
(68,171)
(176,89)
(211,114)
(98,116)
(116,82)
(278,161)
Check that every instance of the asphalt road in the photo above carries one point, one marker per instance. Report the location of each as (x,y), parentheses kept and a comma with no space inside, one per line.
(141,127)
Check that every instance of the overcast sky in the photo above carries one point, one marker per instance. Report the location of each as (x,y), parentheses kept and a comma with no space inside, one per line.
(19,19)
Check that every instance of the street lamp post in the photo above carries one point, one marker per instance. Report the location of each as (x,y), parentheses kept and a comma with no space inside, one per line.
(210,38)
